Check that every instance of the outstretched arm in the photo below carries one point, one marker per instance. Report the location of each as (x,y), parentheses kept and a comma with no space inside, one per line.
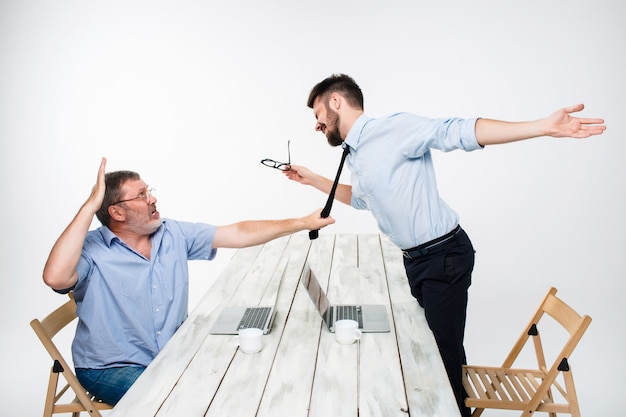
(558,125)
(60,269)
(254,232)
(305,176)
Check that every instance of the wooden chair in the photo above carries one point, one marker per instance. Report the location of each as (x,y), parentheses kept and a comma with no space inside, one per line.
(531,390)
(46,330)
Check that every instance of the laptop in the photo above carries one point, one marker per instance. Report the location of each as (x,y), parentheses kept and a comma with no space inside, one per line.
(372,318)
(232,319)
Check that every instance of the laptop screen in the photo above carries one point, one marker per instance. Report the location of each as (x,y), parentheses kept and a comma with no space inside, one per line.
(316,293)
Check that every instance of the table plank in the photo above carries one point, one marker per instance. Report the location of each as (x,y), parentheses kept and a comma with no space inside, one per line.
(248,374)
(288,389)
(428,390)
(376,398)
(335,388)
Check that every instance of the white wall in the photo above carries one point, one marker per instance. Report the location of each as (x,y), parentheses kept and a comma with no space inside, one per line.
(192,94)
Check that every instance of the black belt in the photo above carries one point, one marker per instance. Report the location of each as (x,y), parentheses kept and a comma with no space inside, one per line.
(422,249)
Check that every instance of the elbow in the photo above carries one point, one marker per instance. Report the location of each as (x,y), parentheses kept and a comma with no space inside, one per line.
(51,281)
(48,277)
(57,282)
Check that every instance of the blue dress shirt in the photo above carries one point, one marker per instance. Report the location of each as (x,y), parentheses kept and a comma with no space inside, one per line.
(393,174)
(130,306)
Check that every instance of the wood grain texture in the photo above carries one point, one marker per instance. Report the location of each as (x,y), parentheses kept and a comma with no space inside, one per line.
(427,387)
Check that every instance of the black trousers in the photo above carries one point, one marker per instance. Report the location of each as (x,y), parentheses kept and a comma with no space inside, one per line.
(439,278)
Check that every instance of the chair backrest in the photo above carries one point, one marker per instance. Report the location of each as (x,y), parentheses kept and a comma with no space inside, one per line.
(563,314)
(46,330)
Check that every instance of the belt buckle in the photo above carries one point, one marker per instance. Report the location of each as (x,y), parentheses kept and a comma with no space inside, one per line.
(415,253)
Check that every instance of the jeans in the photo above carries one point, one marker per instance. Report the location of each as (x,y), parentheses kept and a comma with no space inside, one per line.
(110,384)
(439,280)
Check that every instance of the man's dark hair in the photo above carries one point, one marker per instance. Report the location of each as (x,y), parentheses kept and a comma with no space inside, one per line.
(113,192)
(340,83)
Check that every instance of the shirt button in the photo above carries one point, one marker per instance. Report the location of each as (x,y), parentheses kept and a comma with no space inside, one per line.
(157,310)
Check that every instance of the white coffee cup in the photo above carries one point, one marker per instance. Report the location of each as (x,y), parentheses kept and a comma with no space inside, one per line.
(347,331)
(250,340)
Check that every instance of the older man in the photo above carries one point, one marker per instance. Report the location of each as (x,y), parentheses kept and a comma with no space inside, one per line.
(130,276)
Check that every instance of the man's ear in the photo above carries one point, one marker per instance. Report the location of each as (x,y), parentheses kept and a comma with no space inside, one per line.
(116,213)
(335,100)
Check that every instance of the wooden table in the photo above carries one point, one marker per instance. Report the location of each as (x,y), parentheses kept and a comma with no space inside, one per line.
(302,370)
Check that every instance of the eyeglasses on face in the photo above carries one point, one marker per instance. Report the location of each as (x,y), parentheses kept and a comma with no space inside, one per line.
(144,195)
(283,166)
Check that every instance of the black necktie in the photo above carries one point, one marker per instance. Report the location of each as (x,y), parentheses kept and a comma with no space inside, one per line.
(313,234)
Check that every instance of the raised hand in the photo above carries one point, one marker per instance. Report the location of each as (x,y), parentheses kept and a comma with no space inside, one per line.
(97,192)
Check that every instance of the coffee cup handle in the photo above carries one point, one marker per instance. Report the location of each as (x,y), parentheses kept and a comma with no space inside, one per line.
(357,334)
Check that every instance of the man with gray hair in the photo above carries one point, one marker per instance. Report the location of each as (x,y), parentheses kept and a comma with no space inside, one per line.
(130,276)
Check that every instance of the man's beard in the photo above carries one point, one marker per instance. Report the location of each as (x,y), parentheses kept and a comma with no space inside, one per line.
(332,128)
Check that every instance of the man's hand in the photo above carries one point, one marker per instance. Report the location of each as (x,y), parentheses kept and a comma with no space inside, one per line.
(305,176)
(315,221)
(561,124)
(97,192)
(300,174)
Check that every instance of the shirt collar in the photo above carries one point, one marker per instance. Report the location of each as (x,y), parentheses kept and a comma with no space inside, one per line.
(108,235)
(352,139)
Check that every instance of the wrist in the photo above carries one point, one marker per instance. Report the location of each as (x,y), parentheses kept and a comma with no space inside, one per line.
(88,210)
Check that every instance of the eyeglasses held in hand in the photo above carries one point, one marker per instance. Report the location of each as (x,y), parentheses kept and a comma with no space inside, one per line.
(144,195)
(283,166)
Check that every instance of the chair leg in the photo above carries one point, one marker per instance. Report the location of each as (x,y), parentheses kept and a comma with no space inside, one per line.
(572,399)
(551,400)
(51,394)
(477,412)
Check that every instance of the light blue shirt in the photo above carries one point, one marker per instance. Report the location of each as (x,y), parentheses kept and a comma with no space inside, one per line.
(130,306)
(393,174)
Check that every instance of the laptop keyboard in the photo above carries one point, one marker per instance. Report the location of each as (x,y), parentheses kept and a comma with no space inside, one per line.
(349,313)
(254,317)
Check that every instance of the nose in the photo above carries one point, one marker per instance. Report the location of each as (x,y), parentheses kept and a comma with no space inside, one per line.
(318,126)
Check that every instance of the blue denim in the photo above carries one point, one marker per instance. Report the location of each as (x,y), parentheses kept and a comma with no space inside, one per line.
(109,385)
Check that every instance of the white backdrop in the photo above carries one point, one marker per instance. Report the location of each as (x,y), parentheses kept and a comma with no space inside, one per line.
(193,94)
